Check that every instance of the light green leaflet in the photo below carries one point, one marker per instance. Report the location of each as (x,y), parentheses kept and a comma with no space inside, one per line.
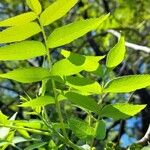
(39,102)
(121,110)
(23,50)
(100,129)
(80,128)
(4,118)
(83,101)
(116,54)
(127,83)
(83,84)
(19,33)
(70,32)
(35,6)
(27,75)
(18,20)
(56,10)
(74,64)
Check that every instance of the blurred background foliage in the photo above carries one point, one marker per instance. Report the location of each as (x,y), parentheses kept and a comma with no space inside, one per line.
(128,17)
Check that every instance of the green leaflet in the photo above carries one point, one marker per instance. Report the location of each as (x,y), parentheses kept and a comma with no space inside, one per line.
(74,64)
(116,54)
(121,110)
(39,102)
(19,33)
(55,11)
(127,83)
(100,131)
(27,75)
(35,6)
(80,128)
(23,50)
(18,20)
(83,101)
(84,85)
(70,32)
(4,118)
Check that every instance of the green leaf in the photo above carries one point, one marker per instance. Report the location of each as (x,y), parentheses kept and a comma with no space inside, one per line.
(83,84)
(80,128)
(19,33)
(121,110)
(116,54)
(127,83)
(4,118)
(83,101)
(18,20)
(35,6)
(74,64)
(23,50)
(35,146)
(56,10)
(27,75)
(100,130)
(70,32)
(39,102)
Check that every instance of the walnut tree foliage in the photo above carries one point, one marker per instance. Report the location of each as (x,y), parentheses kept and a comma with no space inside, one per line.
(66,85)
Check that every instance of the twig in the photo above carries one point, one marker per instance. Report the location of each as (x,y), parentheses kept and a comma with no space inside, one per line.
(130,45)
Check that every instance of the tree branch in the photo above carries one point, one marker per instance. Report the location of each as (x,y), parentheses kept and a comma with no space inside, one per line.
(130,45)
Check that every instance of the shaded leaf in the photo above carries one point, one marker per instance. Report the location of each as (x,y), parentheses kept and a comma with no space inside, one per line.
(121,110)
(22,50)
(35,146)
(116,54)
(27,75)
(35,6)
(100,130)
(70,32)
(19,33)
(18,20)
(56,10)
(83,101)
(80,128)
(127,83)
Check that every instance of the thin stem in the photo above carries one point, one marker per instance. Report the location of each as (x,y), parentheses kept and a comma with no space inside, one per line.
(27,129)
(53,85)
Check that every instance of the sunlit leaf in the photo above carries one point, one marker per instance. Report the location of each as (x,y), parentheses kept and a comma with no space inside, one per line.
(19,33)
(56,10)
(127,83)
(18,20)
(70,32)
(116,54)
(27,75)
(22,50)
(121,110)
(35,6)
(83,84)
